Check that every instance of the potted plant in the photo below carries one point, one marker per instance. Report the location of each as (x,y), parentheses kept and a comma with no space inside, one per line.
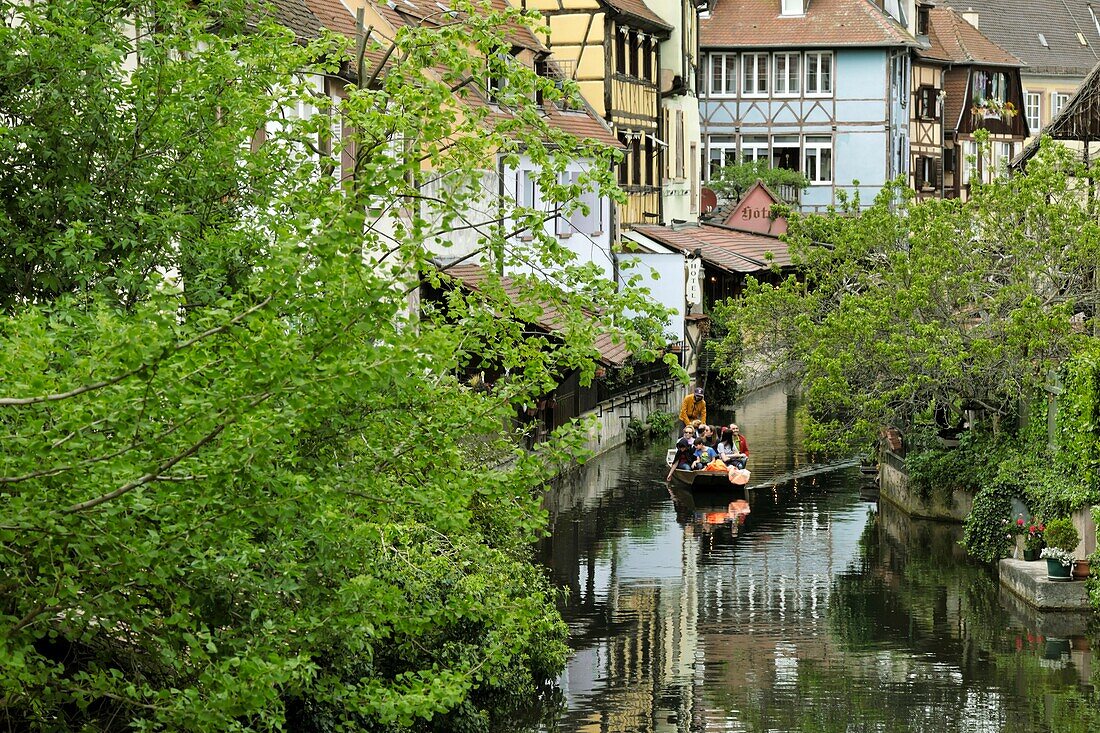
(1033,540)
(1061,538)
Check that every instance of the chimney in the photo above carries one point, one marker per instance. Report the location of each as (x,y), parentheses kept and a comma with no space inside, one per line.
(970,15)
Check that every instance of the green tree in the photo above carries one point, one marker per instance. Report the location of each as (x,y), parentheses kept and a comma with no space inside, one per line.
(243,488)
(732,181)
(908,304)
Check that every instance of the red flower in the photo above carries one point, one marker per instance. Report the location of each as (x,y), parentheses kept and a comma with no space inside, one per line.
(1020,521)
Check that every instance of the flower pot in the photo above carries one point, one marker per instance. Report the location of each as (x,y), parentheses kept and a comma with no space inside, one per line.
(1031,555)
(1057,571)
(1081,569)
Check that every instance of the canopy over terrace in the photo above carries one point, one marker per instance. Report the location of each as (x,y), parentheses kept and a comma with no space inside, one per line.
(734,252)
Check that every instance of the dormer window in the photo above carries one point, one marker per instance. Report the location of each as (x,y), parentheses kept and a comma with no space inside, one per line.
(922,20)
(792,7)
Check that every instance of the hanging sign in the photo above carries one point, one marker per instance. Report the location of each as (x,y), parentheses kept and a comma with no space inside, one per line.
(694,292)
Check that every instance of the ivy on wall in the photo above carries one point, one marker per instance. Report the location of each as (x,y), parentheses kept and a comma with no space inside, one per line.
(1078,421)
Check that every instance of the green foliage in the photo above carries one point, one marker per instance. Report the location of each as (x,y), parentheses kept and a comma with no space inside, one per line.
(732,181)
(1061,533)
(242,487)
(904,304)
(1079,422)
(635,431)
(661,423)
(987,533)
(937,472)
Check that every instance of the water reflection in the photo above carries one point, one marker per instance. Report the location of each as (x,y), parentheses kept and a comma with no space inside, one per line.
(816,611)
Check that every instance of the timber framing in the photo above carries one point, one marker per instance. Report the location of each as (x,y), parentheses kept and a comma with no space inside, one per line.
(611,49)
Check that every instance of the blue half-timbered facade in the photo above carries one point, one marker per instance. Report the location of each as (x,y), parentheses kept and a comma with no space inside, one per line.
(821,87)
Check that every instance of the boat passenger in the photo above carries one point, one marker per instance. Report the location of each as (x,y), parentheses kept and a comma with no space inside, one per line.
(709,436)
(703,455)
(685,452)
(726,445)
(693,408)
(741,455)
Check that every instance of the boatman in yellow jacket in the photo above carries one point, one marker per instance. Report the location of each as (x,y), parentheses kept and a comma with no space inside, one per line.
(694,407)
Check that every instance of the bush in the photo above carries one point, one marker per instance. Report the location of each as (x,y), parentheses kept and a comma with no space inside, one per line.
(1061,533)
(661,423)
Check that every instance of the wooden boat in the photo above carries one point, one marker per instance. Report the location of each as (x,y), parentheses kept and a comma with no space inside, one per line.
(707,479)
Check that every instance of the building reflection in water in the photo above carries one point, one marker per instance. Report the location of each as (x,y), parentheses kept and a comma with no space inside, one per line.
(818,607)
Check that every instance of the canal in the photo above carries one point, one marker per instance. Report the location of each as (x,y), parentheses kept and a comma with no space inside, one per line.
(824,610)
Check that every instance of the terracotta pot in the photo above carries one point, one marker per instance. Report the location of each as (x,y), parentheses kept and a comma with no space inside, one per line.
(1081,569)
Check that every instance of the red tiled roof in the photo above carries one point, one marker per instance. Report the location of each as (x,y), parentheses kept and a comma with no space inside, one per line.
(613,351)
(827,23)
(339,18)
(427,12)
(639,10)
(296,16)
(955,99)
(955,40)
(728,249)
(583,123)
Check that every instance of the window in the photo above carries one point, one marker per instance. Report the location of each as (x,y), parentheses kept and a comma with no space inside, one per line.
(922,20)
(754,77)
(527,188)
(624,166)
(924,172)
(819,159)
(634,50)
(578,221)
(1057,102)
(989,85)
(792,7)
(1032,101)
(693,177)
(754,147)
(949,160)
(649,161)
(785,152)
(620,50)
(647,60)
(926,103)
(787,77)
(819,73)
(1005,153)
(636,160)
(723,74)
(721,151)
(679,144)
(969,161)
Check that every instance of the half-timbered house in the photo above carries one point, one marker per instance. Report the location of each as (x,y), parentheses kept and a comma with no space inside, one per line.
(680,127)
(611,48)
(977,85)
(820,87)
(1059,43)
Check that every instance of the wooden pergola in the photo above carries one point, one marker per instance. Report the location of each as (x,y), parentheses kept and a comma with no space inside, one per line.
(1078,121)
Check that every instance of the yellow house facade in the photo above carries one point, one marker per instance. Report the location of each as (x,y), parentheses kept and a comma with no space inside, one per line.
(611,49)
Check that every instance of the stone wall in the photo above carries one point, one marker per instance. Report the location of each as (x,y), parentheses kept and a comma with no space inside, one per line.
(612,416)
(894,487)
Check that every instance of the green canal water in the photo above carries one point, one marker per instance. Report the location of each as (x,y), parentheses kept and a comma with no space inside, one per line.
(825,610)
